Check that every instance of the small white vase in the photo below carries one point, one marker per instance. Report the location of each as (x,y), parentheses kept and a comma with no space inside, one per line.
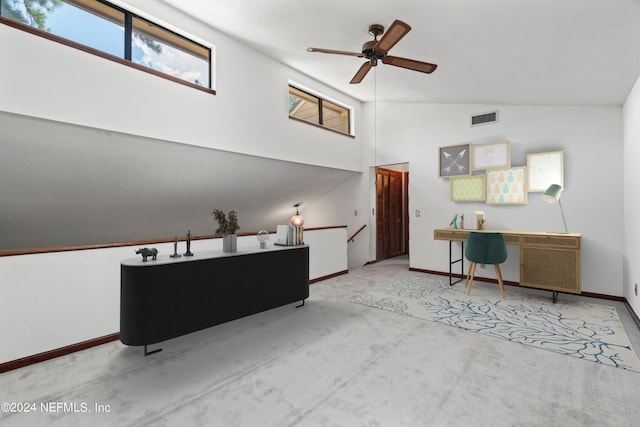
(230,243)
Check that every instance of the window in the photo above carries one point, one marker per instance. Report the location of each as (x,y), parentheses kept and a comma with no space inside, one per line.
(157,48)
(106,28)
(314,109)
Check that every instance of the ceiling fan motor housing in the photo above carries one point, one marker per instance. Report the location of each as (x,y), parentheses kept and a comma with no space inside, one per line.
(376,31)
(367,48)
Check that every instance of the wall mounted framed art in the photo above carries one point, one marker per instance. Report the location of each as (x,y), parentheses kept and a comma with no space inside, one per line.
(507,186)
(454,160)
(494,155)
(468,189)
(545,169)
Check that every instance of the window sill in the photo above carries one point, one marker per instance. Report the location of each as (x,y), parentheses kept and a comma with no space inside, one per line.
(322,127)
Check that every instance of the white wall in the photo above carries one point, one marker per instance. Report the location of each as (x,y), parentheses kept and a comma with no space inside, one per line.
(591,138)
(346,206)
(327,251)
(632,196)
(247,115)
(53,300)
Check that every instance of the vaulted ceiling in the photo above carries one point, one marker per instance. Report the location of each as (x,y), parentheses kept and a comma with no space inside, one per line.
(555,52)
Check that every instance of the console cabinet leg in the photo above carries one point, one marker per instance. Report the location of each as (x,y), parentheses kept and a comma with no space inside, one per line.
(146,352)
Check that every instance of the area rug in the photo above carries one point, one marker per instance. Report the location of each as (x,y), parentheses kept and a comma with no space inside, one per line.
(587,331)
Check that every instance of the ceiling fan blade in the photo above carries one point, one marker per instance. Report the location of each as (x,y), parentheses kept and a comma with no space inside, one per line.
(411,64)
(336,52)
(364,69)
(396,31)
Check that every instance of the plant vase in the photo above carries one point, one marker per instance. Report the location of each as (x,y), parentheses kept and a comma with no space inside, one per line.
(230,243)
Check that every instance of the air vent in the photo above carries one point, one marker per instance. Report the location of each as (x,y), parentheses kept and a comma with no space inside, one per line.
(484,119)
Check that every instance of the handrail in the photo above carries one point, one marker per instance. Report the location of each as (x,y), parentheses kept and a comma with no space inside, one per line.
(356,233)
(69,248)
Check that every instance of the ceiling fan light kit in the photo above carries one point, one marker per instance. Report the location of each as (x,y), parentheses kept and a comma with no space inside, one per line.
(375,50)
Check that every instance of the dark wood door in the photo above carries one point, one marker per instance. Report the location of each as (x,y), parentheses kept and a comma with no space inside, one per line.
(389,216)
(405,228)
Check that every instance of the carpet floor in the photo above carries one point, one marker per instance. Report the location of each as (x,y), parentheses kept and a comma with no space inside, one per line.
(588,331)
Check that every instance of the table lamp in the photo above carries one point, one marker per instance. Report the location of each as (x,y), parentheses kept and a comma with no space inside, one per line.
(297,219)
(263,237)
(552,195)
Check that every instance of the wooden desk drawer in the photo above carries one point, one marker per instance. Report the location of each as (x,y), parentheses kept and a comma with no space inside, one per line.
(453,234)
(512,239)
(552,241)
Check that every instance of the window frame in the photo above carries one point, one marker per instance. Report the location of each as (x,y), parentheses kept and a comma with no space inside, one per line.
(320,103)
(128,34)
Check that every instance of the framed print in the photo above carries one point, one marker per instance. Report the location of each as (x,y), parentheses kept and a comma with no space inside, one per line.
(495,155)
(468,189)
(454,160)
(507,186)
(545,169)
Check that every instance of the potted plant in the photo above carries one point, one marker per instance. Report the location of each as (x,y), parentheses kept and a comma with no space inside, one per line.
(227,228)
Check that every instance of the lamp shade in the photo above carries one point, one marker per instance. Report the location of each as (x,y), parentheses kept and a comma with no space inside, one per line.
(552,195)
(297,219)
(263,237)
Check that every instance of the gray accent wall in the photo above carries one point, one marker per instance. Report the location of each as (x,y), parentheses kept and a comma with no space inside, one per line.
(66,184)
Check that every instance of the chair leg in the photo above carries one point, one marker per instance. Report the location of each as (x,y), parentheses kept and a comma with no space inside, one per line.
(466,282)
(472,271)
(499,274)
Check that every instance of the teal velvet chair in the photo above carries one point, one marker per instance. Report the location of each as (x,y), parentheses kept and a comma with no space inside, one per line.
(485,248)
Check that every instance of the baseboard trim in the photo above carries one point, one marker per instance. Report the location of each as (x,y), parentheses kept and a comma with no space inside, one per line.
(634,316)
(52,354)
(329,276)
(603,296)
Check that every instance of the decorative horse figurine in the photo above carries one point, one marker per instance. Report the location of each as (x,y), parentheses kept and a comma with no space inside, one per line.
(146,252)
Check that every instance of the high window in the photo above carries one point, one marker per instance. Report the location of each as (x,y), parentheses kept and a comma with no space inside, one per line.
(106,28)
(319,111)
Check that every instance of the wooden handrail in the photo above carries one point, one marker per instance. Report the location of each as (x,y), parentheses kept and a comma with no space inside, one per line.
(356,233)
(68,248)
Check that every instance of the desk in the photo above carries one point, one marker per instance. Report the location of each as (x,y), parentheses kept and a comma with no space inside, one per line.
(550,261)
(169,297)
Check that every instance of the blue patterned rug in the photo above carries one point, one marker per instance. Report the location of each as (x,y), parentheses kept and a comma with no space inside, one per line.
(587,331)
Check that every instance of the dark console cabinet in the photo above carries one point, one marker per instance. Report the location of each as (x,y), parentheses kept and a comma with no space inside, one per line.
(169,297)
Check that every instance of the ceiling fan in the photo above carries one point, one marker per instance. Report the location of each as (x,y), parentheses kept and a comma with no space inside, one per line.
(375,50)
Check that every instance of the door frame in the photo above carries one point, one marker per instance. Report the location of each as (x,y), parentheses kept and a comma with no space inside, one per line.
(402,168)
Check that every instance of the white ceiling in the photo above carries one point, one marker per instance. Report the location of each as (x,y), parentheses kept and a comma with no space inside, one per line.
(557,52)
